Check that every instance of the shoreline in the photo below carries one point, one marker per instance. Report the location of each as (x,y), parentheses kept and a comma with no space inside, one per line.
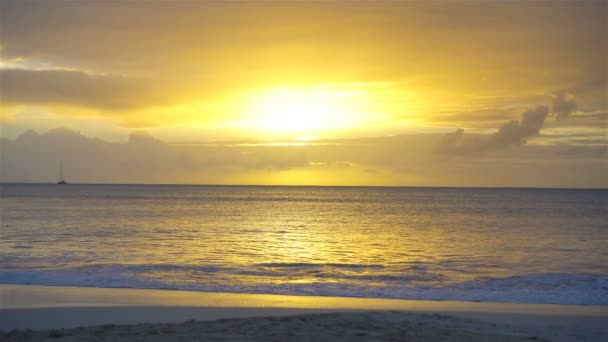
(64,307)
(22,296)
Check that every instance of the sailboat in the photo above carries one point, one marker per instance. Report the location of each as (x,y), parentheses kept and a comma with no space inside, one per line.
(61,179)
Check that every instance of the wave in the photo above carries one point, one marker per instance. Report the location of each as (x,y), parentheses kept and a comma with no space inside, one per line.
(349,280)
(315,265)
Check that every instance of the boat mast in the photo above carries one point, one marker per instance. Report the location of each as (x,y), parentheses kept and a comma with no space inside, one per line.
(61,171)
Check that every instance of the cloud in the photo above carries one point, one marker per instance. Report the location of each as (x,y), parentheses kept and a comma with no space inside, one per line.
(461,143)
(512,133)
(143,158)
(201,58)
(75,88)
(596,120)
(397,160)
(215,42)
(143,138)
(515,132)
(563,105)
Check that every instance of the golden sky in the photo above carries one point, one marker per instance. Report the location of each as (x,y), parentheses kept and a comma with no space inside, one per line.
(302,76)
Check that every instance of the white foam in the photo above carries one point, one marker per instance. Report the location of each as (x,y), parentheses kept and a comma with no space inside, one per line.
(538,288)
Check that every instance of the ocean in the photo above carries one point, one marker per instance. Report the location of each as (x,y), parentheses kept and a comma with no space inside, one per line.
(469,244)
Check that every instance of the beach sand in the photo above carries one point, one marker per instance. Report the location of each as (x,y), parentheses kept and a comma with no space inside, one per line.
(351,326)
(76,313)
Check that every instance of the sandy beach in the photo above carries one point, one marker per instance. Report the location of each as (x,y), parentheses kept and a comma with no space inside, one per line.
(38,313)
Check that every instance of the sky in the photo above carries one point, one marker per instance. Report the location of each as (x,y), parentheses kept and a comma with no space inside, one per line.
(393,93)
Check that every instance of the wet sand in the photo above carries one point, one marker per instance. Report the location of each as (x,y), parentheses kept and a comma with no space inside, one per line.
(77,313)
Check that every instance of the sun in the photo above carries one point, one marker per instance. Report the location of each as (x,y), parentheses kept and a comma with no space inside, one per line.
(300,109)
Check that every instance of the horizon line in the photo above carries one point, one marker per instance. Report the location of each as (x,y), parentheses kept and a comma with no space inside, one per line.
(315,186)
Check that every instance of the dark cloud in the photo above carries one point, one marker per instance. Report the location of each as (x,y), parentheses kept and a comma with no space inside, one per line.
(512,133)
(228,40)
(77,88)
(509,134)
(459,142)
(515,133)
(563,105)
(143,138)
(34,157)
(143,158)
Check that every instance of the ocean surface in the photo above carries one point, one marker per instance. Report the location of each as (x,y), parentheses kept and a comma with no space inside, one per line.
(505,245)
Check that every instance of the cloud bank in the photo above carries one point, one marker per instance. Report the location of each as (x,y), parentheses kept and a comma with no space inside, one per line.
(397,160)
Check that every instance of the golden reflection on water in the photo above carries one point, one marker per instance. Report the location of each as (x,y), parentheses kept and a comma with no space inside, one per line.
(298,242)
(264,239)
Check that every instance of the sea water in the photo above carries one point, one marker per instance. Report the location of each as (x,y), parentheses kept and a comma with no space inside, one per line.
(472,244)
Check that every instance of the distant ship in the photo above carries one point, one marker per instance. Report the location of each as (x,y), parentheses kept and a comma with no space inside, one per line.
(61,179)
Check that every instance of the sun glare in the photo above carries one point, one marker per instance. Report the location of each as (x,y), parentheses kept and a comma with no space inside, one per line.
(301,110)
